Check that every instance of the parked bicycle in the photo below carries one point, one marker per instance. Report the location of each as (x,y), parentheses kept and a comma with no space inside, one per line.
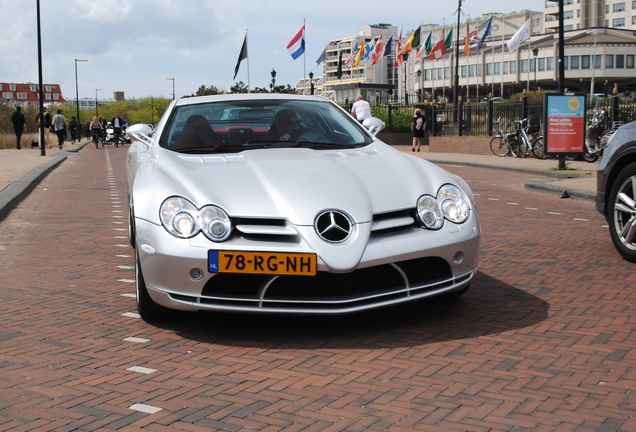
(530,138)
(511,143)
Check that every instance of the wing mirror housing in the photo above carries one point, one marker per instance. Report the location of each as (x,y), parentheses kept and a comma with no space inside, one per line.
(140,132)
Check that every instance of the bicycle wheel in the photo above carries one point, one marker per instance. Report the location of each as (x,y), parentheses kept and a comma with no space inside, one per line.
(499,147)
(537,148)
(524,148)
(514,147)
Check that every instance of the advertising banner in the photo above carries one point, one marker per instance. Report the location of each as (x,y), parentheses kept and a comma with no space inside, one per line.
(564,123)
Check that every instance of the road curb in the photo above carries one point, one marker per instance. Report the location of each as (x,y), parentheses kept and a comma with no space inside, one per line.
(561,191)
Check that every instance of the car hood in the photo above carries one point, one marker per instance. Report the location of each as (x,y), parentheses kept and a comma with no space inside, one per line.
(295,184)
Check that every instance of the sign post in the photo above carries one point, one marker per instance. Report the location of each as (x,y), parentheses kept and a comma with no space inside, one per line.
(564,123)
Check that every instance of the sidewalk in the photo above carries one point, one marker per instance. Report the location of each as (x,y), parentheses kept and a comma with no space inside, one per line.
(22,170)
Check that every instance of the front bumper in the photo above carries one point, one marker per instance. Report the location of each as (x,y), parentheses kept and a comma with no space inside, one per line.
(394,268)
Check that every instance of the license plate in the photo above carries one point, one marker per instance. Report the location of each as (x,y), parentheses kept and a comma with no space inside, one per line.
(298,264)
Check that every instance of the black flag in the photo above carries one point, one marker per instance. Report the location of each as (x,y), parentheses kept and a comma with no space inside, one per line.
(242,55)
(339,72)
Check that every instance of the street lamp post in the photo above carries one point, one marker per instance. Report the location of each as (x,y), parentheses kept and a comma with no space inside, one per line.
(172,86)
(273,84)
(535,53)
(311,82)
(77,90)
(405,58)
(593,32)
(96,104)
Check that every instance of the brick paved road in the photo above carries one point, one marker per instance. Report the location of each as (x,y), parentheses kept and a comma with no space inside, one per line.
(543,340)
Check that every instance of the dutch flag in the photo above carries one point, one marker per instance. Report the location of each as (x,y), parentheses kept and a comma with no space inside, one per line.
(296,46)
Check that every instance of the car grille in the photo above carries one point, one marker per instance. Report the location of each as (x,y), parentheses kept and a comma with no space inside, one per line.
(329,292)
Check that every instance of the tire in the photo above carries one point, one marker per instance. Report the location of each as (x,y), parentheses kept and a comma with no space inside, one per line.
(589,157)
(524,148)
(499,147)
(147,308)
(514,147)
(537,148)
(622,213)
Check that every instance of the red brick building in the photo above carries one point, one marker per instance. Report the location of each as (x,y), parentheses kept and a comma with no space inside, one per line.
(27,95)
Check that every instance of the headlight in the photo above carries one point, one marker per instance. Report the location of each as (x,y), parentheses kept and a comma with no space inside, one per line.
(182,219)
(450,203)
(215,223)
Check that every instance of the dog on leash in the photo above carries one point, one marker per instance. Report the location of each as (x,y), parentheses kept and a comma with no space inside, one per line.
(34,144)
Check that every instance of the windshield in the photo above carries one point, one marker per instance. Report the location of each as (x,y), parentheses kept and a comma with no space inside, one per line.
(233,126)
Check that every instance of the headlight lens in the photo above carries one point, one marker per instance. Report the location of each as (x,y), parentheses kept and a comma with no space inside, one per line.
(182,219)
(450,203)
(215,223)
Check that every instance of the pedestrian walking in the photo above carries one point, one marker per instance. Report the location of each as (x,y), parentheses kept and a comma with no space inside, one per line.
(19,126)
(361,110)
(73,128)
(59,125)
(117,123)
(418,126)
(43,120)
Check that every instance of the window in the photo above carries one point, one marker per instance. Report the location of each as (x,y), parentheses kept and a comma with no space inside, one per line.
(479,70)
(618,22)
(619,7)
(464,71)
(568,14)
(620,61)
(597,62)
(606,8)
(609,61)
(566,62)
(629,63)
(578,13)
(56,96)
(513,66)
(585,62)
(550,65)
(634,19)
(12,87)
(33,88)
(536,22)
(471,70)
(47,96)
(574,62)
(488,69)
(7,95)
(541,64)
(447,72)
(567,2)
(498,68)
(22,96)
(427,75)
(568,27)
(48,89)
(524,66)
(505,67)
(633,4)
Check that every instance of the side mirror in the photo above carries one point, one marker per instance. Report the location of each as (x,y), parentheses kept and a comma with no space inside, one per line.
(140,132)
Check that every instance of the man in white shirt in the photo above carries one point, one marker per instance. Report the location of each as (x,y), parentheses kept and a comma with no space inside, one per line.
(361,110)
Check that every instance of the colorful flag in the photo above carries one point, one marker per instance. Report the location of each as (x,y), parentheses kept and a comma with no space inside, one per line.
(523,34)
(388,47)
(322,57)
(448,41)
(368,48)
(378,51)
(419,53)
(361,52)
(474,37)
(242,55)
(352,56)
(296,46)
(467,43)
(428,45)
(398,56)
(485,35)
(439,49)
(413,42)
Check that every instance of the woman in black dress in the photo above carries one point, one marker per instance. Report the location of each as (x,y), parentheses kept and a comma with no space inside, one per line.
(418,126)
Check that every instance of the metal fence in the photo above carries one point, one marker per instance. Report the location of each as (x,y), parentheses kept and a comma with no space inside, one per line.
(480,118)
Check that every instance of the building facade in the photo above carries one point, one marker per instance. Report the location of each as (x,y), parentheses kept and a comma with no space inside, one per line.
(28,95)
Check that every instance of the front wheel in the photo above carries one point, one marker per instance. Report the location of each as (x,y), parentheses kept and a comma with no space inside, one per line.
(499,147)
(537,148)
(622,213)
(589,157)
(148,309)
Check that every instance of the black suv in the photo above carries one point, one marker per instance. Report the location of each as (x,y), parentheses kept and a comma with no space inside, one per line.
(616,189)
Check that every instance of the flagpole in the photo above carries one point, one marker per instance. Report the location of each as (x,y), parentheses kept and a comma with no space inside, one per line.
(444,63)
(492,79)
(503,23)
(305,60)
(529,50)
(248,62)
(468,58)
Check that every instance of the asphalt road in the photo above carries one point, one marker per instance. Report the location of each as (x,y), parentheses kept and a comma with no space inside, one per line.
(543,340)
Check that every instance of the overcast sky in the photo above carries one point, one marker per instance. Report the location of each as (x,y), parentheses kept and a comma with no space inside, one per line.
(135,45)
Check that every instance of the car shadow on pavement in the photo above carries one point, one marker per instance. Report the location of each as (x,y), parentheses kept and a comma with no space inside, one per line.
(489,307)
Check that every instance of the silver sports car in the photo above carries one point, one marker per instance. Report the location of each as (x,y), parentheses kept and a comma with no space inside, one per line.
(286,204)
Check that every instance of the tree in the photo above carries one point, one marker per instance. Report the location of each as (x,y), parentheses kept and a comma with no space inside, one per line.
(206,91)
(239,87)
(282,89)
(260,90)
